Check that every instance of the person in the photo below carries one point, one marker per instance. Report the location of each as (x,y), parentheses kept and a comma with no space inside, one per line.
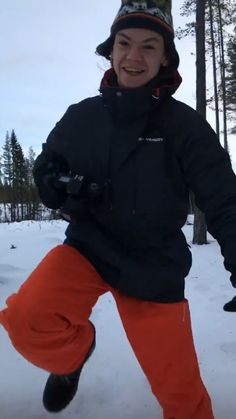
(120,166)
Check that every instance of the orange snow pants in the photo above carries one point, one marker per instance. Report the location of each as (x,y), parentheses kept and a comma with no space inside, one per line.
(47,321)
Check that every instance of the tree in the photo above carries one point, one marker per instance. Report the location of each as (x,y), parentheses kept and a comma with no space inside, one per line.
(19,178)
(211,16)
(33,201)
(220,15)
(199,227)
(14,176)
(214,65)
(7,160)
(231,77)
(18,193)
(222,68)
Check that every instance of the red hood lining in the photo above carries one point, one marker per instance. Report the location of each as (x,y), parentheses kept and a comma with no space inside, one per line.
(170,83)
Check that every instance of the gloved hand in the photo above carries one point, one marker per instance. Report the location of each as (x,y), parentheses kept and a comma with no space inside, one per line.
(228,251)
(231,305)
(45,174)
(233,280)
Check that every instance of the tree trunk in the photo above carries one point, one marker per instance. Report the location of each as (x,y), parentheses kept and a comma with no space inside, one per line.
(199,229)
(213,46)
(223,75)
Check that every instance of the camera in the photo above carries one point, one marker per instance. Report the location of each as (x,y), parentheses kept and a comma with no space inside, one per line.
(77,186)
(73,185)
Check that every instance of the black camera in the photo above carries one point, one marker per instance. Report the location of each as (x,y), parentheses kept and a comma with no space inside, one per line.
(73,185)
(78,187)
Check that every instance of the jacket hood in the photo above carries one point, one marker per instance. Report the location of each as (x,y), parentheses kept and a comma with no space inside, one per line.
(133,104)
(167,80)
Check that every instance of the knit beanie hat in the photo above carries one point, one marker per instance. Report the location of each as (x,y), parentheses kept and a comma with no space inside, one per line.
(154,15)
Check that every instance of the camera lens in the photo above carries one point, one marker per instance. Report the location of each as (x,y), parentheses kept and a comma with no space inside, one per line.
(94,190)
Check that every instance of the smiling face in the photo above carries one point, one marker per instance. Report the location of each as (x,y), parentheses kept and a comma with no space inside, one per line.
(137,56)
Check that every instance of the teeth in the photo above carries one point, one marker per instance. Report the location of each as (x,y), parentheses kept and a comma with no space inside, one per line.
(133,70)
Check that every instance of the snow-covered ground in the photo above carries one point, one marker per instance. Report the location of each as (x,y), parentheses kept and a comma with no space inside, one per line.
(112,383)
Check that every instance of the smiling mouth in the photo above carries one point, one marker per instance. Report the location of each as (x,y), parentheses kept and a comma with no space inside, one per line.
(133,71)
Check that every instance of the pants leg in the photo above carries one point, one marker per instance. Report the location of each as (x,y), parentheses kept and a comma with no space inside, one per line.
(161,337)
(47,319)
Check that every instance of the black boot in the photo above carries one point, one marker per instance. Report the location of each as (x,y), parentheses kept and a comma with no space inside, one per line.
(231,305)
(61,389)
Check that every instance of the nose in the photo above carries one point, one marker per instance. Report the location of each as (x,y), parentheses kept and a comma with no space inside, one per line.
(134,53)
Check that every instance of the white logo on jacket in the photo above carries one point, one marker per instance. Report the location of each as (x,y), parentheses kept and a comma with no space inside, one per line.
(151,140)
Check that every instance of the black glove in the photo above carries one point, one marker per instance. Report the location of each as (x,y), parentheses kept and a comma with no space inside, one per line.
(228,252)
(45,173)
(233,280)
(231,305)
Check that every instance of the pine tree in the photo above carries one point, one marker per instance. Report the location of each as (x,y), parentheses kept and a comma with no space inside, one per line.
(1,189)
(219,16)
(7,176)
(231,78)
(7,160)
(18,193)
(214,15)
(14,176)
(199,228)
(33,201)
(19,178)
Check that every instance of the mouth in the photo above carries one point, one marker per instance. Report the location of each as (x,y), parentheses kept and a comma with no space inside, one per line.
(133,71)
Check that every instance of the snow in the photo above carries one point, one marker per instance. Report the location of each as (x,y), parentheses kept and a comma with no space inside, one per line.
(112,383)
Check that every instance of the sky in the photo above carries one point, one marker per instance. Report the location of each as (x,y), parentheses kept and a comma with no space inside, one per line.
(112,383)
(47,62)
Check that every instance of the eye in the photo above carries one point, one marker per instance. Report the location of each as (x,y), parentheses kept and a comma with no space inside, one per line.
(149,47)
(123,43)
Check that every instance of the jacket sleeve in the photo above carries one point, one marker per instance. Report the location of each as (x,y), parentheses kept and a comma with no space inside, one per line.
(51,162)
(209,174)
(46,169)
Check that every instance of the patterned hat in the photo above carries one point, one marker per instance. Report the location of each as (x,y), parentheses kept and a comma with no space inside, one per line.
(154,15)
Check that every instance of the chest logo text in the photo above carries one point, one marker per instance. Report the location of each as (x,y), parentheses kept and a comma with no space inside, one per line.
(151,140)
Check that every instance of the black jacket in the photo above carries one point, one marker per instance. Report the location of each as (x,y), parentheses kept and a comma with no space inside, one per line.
(148,150)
